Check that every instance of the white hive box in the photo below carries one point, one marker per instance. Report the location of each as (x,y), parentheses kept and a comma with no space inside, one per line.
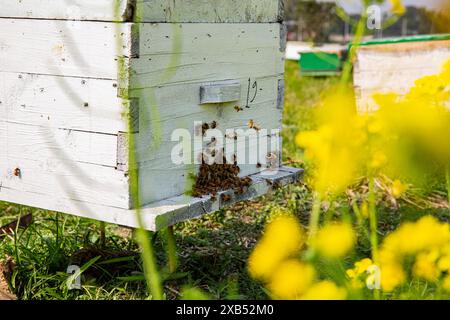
(73,72)
(393,65)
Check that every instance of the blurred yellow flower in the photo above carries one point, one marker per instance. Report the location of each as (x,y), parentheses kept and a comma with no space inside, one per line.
(392,275)
(335,148)
(413,126)
(282,238)
(427,240)
(398,189)
(334,240)
(325,290)
(411,238)
(291,279)
(378,160)
(361,271)
(425,266)
(360,267)
(444,263)
(397,7)
(446,283)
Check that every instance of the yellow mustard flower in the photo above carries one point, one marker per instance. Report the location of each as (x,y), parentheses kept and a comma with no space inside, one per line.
(360,267)
(325,290)
(411,238)
(446,283)
(444,263)
(392,275)
(282,238)
(409,127)
(397,7)
(291,279)
(425,265)
(334,149)
(398,189)
(378,160)
(334,240)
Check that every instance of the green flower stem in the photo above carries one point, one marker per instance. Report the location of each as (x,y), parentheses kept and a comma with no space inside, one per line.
(361,221)
(447,177)
(359,34)
(373,219)
(171,250)
(315,217)
(151,273)
(373,227)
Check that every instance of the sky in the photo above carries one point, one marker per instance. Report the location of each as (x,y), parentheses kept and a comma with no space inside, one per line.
(353,6)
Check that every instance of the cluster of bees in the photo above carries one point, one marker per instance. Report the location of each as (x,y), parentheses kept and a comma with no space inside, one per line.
(213,178)
(216,177)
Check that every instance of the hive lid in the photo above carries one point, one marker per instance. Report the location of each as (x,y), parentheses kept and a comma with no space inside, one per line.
(431,37)
(217,11)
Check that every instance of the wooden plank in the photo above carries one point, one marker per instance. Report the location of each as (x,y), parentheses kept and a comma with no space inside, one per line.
(166,109)
(187,53)
(64,48)
(102,10)
(223,11)
(158,215)
(31,142)
(146,10)
(62,102)
(64,180)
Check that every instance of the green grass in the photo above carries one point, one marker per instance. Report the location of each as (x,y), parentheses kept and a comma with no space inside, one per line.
(212,251)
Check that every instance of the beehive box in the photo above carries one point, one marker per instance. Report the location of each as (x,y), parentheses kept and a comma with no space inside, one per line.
(393,65)
(80,78)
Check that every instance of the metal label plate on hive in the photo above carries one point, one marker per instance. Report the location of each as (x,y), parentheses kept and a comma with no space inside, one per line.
(220,92)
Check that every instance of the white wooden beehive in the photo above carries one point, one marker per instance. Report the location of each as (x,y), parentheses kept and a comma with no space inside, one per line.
(393,67)
(73,72)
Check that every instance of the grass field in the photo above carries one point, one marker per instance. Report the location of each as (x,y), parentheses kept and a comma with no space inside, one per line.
(213,251)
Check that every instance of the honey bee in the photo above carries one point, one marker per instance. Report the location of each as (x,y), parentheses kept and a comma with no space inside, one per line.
(16,172)
(252,125)
(226,198)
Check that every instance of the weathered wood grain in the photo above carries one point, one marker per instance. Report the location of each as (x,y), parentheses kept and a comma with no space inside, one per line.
(186,53)
(64,48)
(62,102)
(64,180)
(218,11)
(177,107)
(158,215)
(101,10)
(32,142)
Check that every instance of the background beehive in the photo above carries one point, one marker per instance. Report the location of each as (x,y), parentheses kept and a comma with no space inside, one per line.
(70,75)
(394,67)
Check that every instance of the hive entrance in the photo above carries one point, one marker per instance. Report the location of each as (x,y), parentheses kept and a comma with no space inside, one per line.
(213,178)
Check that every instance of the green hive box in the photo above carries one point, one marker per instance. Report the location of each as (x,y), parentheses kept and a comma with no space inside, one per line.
(320,64)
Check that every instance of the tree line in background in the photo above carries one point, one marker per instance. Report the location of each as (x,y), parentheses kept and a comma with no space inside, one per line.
(318,22)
